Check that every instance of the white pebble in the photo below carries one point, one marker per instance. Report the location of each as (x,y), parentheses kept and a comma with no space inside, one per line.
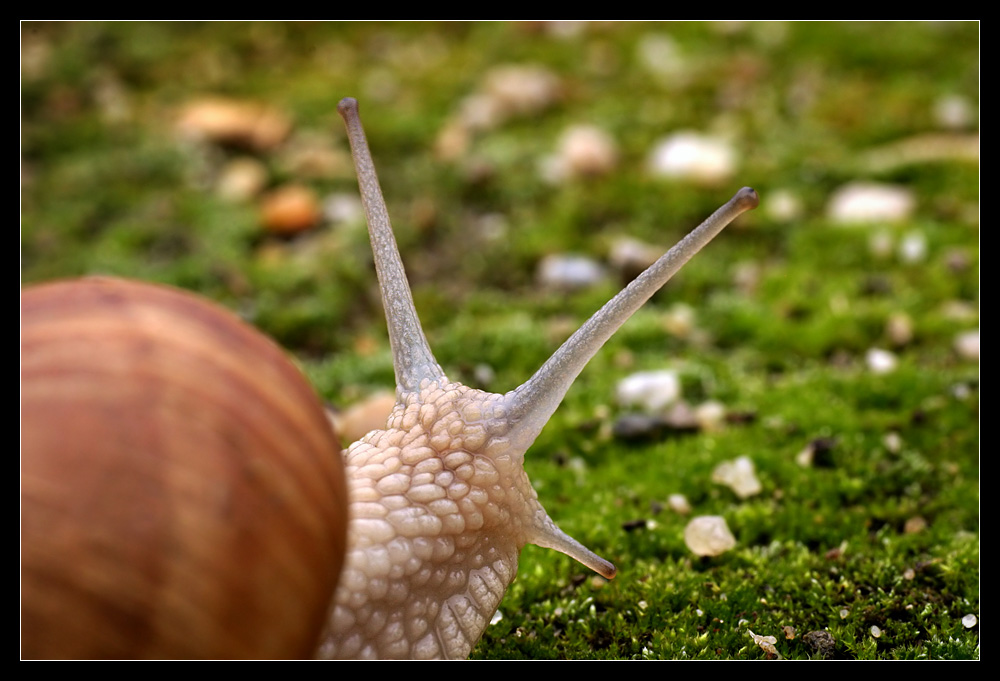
(242,179)
(569,272)
(708,535)
(969,621)
(522,89)
(678,503)
(866,202)
(710,415)
(679,320)
(692,156)
(805,457)
(783,205)
(876,632)
(631,255)
(343,207)
(913,247)
(899,328)
(880,361)
(584,150)
(893,441)
(662,57)
(739,476)
(651,390)
(953,112)
(967,344)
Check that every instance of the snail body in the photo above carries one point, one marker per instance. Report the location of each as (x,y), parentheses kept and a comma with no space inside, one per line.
(437,509)
(440,505)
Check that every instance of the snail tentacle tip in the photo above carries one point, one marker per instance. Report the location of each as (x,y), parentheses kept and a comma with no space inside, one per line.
(348,106)
(747,198)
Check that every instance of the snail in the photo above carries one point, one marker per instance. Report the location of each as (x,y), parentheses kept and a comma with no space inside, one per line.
(438,505)
(181,493)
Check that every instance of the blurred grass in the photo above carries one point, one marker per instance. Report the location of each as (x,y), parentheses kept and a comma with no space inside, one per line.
(108,187)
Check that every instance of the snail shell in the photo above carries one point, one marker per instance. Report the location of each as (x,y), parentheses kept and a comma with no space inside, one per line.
(182,491)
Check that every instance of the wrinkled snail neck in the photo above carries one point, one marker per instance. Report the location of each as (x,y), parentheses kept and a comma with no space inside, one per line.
(528,407)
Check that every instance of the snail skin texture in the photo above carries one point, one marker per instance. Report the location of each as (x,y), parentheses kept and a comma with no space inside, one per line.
(181,492)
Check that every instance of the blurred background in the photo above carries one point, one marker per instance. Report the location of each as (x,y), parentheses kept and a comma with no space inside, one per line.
(533,168)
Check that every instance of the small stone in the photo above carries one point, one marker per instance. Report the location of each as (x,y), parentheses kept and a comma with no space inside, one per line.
(631,257)
(314,154)
(953,112)
(969,621)
(662,56)
(564,272)
(521,89)
(961,391)
(746,277)
(967,345)
(637,427)
(820,642)
(680,417)
(632,525)
(290,209)
(783,206)
(484,374)
(452,140)
(739,476)
(678,503)
(239,123)
(476,112)
(880,361)
(584,151)
(867,202)
(708,535)
(343,207)
(899,329)
(241,179)
(876,632)
(679,320)
(692,156)
(913,248)
(817,453)
(653,391)
(710,415)
(893,441)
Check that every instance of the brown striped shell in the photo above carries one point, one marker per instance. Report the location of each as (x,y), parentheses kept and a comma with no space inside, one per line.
(182,493)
